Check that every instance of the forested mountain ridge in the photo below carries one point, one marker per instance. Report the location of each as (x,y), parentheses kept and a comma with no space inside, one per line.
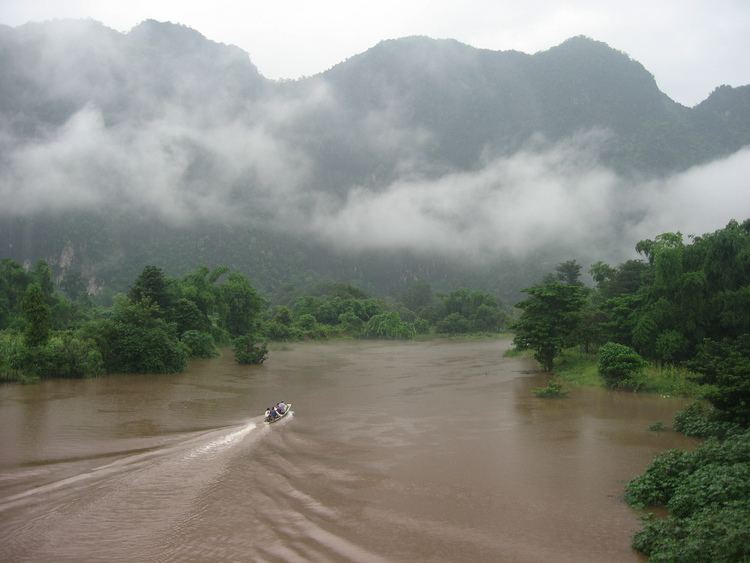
(161,146)
(469,98)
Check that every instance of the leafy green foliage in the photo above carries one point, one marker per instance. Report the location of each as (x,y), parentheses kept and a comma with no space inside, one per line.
(620,365)
(241,305)
(152,285)
(388,325)
(549,317)
(712,534)
(726,366)
(708,494)
(702,422)
(553,390)
(199,344)
(140,341)
(12,355)
(36,313)
(249,351)
(710,485)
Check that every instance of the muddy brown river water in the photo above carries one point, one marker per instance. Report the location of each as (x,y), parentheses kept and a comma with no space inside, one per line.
(426,451)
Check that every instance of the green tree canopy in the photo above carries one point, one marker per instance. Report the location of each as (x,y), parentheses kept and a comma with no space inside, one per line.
(549,317)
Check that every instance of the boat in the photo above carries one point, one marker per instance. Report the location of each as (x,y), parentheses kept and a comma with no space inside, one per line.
(286,412)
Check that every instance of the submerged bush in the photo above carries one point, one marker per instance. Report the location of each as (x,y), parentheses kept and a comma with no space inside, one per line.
(199,344)
(64,355)
(553,390)
(248,351)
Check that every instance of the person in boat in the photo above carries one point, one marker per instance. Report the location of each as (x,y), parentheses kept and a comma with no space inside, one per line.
(268,413)
(281,407)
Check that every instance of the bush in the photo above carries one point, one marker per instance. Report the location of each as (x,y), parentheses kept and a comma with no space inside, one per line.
(662,477)
(62,355)
(620,366)
(422,326)
(137,349)
(710,485)
(455,323)
(248,351)
(388,325)
(553,390)
(199,344)
(276,330)
(699,420)
(708,493)
(12,354)
(712,534)
(65,355)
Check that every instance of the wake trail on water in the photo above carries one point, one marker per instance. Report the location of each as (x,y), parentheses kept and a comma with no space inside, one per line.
(187,448)
(137,497)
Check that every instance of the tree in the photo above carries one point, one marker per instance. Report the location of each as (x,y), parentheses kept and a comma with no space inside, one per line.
(569,272)
(36,313)
(549,317)
(725,364)
(241,305)
(248,351)
(418,294)
(152,284)
(139,341)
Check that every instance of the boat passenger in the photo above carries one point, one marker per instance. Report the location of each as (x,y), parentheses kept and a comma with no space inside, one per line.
(268,413)
(274,413)
(281,407)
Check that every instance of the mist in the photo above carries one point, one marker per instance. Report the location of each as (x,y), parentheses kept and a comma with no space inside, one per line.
(164,142)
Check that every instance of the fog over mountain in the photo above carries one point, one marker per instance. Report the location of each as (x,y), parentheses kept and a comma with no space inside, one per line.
(418,158)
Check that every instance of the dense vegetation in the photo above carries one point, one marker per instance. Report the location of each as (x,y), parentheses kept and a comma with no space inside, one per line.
(155,328)
(56,331)
(685,306)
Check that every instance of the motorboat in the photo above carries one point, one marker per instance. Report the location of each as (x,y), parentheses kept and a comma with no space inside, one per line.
(269,420)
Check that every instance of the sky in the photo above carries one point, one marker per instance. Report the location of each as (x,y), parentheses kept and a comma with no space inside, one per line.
(690,46)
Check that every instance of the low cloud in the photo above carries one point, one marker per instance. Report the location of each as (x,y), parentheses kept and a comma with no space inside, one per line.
(547,197)
(555,197)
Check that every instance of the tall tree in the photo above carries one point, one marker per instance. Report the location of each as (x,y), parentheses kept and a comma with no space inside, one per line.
(36,313)
(569,272)
(152,284)
(549,317)
(241,303)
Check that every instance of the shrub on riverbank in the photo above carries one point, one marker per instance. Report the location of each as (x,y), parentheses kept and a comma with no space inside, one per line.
(707,492)
(620,366)
(701,421)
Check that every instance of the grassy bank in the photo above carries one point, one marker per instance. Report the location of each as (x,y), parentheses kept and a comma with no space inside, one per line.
(578,369)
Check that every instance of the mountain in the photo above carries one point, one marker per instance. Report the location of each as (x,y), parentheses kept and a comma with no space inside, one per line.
(159,145)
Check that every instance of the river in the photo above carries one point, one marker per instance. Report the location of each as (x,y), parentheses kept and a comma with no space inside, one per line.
(417,451)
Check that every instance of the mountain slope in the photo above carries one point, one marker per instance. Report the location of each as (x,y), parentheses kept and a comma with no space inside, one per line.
(160,145)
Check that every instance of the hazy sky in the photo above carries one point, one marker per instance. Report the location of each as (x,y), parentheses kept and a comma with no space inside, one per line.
(691,46)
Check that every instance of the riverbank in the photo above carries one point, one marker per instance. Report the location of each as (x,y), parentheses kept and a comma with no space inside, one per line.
(575,368)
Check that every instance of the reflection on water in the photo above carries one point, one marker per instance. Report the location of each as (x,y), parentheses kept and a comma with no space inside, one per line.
(395,451)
